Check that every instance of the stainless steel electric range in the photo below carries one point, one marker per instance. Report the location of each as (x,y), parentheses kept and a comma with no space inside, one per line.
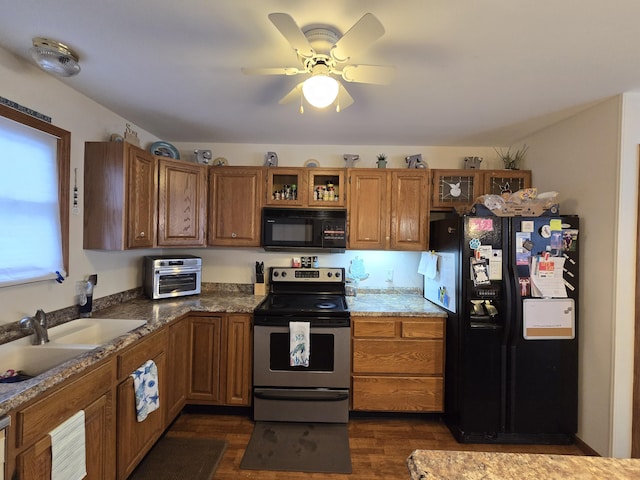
(318,392)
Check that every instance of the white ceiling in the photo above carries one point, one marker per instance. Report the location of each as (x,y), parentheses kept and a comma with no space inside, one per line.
(469,72)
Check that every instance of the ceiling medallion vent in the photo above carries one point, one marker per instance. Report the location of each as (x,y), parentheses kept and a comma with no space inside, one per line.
(54,57)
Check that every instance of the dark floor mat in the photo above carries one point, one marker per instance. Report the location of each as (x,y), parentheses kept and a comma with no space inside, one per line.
(298,447)
(177,458)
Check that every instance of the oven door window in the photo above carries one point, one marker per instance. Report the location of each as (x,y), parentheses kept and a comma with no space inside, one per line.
(177,282)
(320,359)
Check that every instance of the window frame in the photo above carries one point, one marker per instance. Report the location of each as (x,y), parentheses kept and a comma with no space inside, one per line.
(63,160)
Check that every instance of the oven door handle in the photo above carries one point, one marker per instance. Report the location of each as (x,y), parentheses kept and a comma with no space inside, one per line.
(323,395)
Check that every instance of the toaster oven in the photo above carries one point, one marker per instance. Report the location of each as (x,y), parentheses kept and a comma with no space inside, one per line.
(167,276)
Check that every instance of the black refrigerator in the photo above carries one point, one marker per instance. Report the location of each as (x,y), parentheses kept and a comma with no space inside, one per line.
(510,286)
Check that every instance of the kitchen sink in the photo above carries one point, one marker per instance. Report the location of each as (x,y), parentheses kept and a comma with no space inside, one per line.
(32,360)
(95,331)
(66,341)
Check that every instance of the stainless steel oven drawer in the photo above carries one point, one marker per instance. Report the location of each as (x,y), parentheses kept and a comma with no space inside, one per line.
(301,405)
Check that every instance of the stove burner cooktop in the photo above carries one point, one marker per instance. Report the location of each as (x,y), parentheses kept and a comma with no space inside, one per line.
(282,303)
(326,305)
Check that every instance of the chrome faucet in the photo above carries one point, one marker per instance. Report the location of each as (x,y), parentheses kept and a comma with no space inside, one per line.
(37,323)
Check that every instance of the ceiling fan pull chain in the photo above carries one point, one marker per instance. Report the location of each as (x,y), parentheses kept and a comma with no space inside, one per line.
(301,103)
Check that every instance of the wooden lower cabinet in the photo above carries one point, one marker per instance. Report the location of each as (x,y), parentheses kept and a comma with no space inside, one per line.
(239,360)
(220,363)
(206,353)
(177,362)
(135,438)
(201,358)
(30,443)
(398,364)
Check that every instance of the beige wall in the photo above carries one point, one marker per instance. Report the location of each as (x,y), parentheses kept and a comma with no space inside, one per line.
(580,158)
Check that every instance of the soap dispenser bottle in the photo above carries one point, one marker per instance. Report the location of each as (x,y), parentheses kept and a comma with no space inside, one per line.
(85,296)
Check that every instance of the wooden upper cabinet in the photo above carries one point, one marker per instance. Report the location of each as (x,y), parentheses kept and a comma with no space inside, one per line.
(459,188)
(368,210)
(182,203)
(326,187)
(308,183)
(409,210)
(282,182)
(497,182)
(120,196)
(388,209)
(142,188)
(456,188)
(235,203)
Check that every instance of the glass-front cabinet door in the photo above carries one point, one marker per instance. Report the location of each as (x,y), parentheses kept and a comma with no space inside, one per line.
(286,187)
(455,188)
(326,187)
(498,182)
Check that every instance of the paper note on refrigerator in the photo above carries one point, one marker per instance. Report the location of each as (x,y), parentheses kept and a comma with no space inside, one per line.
(428,264)
(547,276)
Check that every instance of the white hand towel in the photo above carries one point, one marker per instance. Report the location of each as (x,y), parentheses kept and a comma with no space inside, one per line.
(145,384)
(68,451)
(299,344)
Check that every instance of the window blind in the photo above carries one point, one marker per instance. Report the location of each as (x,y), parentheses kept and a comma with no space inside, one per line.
(30,234)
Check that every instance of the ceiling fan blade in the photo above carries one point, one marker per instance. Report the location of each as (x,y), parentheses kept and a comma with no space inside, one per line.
(272,71)
(376,74)
(365,31)
(344,100)
(290,30)
(294,94)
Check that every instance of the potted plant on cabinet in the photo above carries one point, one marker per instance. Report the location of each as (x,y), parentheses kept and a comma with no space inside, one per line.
(382,160)
(511,159)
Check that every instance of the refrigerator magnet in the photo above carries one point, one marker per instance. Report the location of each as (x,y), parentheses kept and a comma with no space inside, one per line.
(526,226)
(480,271)
(545,231)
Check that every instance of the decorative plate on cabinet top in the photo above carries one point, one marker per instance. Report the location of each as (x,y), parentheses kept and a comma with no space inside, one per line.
(164,149)
(220,162)
(312,163)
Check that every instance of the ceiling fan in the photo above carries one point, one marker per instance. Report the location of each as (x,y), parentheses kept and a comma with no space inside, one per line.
(325,54)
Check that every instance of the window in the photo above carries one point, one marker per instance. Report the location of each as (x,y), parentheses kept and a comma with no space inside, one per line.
(34,197)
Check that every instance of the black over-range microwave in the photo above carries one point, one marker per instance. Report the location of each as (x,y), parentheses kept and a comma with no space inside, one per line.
(304,229)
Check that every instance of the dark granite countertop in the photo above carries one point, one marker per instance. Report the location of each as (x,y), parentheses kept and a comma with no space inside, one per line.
(160,312)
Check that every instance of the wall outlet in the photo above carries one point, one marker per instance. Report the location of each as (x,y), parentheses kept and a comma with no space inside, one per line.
(390,275)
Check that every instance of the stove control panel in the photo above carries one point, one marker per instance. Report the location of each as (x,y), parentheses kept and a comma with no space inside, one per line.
(292,274)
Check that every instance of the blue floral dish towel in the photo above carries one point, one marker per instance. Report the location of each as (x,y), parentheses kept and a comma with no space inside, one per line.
(145,384)
(299,344)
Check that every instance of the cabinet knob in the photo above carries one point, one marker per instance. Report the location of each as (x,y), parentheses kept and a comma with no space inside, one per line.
(142,234)
(234,235)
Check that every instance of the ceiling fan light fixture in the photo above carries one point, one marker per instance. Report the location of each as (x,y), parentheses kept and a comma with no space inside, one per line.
(54,57)
(320,90)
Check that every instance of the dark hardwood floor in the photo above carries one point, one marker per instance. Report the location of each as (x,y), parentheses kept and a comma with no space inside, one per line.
(379,445)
